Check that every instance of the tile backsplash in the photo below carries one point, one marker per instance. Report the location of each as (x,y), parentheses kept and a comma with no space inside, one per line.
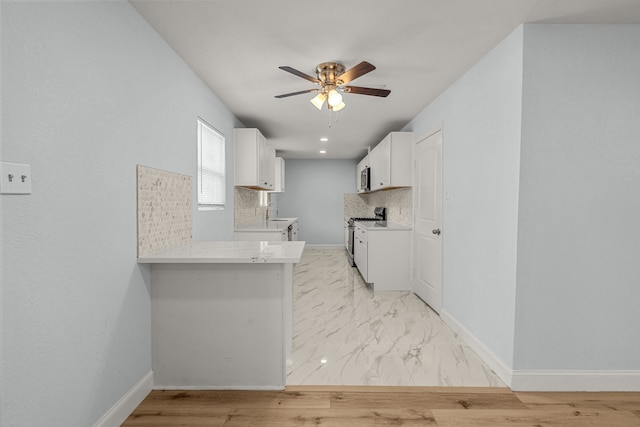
(164,209)
(247,209)
(399,204)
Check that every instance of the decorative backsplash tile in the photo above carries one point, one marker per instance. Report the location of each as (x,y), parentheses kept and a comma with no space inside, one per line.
(399,204)
(356,205)
(247,209)
(164,209)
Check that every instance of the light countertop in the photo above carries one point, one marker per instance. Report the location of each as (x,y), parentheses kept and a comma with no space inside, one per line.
(375,226)
(228,252)
(271,225)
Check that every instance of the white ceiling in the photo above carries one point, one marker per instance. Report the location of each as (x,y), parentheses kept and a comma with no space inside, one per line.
(419,47)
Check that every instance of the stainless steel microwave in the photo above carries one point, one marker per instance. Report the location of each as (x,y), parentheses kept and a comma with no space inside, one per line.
(365,177)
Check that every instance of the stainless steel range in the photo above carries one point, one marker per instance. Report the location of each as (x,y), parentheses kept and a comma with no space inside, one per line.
(380,216)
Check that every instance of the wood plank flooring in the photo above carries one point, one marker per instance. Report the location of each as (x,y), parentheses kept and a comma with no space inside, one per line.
(346,406)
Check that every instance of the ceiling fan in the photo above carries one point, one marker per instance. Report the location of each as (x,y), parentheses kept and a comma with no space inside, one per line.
(332,79)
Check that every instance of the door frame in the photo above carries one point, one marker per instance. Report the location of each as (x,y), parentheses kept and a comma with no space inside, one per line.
(439,128)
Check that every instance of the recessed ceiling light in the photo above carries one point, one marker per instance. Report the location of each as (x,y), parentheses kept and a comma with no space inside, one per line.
(323,151)
(324,139)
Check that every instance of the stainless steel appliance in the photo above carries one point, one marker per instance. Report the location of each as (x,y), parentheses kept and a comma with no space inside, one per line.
(380,217)
(365,179)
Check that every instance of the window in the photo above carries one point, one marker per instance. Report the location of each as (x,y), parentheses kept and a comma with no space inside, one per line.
(211,168)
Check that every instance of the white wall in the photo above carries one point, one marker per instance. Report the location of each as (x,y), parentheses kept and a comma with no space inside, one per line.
(315,194)
(541,234)
(480,114)
(579,229)
(1,244)
(89,91)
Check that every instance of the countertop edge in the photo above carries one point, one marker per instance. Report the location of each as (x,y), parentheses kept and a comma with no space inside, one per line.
(228,252)
(390,227)
(151,260)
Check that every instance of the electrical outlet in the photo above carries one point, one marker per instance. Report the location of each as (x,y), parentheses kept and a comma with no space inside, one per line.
(15,178)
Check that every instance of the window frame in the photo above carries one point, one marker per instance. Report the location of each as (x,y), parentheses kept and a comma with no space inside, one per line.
(215,169)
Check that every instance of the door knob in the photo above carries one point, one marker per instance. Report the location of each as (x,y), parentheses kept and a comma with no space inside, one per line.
(436,231)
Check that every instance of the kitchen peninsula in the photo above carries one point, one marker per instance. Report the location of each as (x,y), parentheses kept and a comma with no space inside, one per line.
(282,229)
(222,314)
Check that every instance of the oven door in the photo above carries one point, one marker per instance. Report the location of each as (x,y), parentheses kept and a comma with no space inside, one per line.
(351,232)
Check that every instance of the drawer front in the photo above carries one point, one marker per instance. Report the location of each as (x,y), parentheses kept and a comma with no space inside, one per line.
(361,233)
(361,257)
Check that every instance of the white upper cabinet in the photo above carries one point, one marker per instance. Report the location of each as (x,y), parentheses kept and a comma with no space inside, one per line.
(254,160)
(279,182)
(390,161)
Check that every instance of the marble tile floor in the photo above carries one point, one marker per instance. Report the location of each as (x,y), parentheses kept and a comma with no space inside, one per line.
(345,334)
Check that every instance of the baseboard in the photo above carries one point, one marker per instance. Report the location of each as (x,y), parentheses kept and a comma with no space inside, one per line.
(127,403)
(521,380)
(489,357)
(310,246)
(575,381)
(199,387)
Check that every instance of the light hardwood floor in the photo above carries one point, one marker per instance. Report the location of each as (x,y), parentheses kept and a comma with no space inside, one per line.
(356,406)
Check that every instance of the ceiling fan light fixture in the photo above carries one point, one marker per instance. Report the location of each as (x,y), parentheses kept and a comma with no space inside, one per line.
(339,106)
(318,100)
(332,78)
(334,98)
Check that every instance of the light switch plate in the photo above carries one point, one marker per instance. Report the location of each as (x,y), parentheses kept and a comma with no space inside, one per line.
(15,178)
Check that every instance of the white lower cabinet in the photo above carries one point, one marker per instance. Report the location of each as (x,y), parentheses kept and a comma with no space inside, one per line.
(361,252)
(382,257)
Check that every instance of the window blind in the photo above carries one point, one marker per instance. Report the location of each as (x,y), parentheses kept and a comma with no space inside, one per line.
(211,167)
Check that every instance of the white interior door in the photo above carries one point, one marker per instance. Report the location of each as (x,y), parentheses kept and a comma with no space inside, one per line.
(427,231)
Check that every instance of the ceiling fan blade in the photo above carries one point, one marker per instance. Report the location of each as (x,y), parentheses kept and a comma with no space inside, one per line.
(296,93)
(300,74)
(353,73)
(367,91)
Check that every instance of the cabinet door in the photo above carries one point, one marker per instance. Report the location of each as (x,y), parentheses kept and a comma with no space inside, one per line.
(360,257)
(361,251)
(388,259)
(263,162)
(270,167)
(281,174)
(380,158)
(254,160)
(246,157)
(279,178)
